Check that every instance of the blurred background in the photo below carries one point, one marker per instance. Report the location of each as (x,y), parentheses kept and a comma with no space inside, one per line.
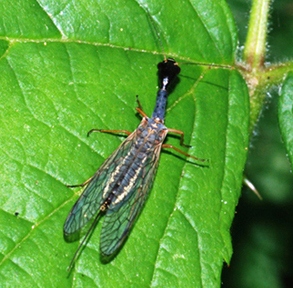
(262,231)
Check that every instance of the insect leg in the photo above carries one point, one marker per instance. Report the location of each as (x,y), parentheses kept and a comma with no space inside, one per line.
(138,103)
(108,131)
(141,112)
(80,185)
(188,155)
(181,138)
(139,108)
(103,131)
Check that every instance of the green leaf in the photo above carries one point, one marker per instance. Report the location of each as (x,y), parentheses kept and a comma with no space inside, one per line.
(286,114)
(70,67)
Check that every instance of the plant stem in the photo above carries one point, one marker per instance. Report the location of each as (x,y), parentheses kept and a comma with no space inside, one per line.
(254,57)
(254,52)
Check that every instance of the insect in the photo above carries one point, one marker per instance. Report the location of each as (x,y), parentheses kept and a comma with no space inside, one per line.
(121,185)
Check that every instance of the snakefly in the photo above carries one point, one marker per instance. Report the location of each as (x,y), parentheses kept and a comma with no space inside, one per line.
(121,185)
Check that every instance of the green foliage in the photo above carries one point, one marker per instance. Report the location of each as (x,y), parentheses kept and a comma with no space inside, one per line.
(286,114)
(68,67)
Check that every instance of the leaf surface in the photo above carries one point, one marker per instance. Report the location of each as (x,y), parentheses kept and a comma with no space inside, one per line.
(68,67)
(286,114)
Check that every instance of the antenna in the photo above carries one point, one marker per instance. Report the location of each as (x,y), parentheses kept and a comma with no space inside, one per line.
(210,65)
(157,32)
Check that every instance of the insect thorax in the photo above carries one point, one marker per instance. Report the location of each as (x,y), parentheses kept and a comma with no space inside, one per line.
(150,133)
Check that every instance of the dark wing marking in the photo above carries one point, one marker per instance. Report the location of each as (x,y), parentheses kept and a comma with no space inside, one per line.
(98,189)
(121,215)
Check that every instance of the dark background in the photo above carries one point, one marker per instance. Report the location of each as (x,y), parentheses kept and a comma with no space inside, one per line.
(262,233)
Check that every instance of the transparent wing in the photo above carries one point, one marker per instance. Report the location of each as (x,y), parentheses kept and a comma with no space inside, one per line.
(122,212)
(98,189)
